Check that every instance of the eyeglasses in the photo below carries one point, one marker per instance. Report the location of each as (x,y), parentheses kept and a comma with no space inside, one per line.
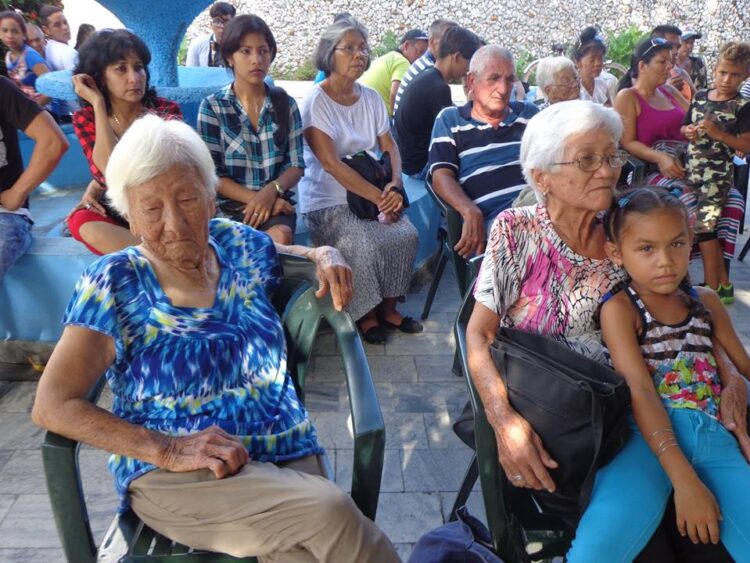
(656,43)
(354,51)
(592,162)
(220,21)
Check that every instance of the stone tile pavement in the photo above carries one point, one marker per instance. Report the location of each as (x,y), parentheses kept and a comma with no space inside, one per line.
(419,396)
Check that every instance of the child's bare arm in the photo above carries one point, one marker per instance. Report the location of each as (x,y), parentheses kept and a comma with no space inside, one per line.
(736,142)
(697,510)
(724,332)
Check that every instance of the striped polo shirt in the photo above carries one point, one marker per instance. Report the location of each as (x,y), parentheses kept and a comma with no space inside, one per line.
(486,160)
(422,63)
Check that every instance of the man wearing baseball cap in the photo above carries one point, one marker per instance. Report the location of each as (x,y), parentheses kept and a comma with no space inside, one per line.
(385,73)
(693,65)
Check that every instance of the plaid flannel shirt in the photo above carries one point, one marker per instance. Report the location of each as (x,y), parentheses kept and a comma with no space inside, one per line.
(84,125)
(249,157)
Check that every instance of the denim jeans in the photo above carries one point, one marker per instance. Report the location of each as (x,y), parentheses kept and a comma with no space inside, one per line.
(15,239)
(630,493)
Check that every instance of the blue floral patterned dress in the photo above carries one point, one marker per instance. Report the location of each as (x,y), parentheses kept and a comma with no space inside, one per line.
(179,370)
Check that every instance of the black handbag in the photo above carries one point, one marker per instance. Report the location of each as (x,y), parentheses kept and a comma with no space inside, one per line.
(378,173)
(578,407)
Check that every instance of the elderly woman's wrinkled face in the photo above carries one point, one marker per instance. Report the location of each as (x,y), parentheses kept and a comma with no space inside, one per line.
(351,56)
(566,86)
(572,186)
(170,214)
(591,64)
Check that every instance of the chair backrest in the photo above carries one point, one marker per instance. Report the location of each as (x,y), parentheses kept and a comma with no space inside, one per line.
(454,224)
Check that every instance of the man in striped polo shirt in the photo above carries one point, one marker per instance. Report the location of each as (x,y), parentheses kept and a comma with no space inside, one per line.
(474,161)
(427,60)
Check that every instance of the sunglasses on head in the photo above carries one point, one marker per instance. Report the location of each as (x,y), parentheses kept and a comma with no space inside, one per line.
(656,43)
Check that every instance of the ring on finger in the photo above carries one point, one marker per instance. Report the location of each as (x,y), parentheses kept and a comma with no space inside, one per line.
(255,213)
(87,206)
(517,478)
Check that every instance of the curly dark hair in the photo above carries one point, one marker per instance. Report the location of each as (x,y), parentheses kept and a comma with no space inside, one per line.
(106,47)
(736,52)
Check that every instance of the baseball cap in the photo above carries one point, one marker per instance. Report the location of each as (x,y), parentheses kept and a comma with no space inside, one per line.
(413,35)
(688,35)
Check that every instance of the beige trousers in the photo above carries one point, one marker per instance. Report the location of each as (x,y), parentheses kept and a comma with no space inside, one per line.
(289,513)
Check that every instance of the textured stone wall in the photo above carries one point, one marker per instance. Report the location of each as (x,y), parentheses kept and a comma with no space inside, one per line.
(532,25)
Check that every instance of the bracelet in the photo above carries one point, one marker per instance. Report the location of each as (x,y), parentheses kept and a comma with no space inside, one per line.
(670,444)
(279,189)
(655,432)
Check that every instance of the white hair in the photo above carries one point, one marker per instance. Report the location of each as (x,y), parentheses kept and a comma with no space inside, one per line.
(150,147)
(548,68)
(485,54)
(546,136)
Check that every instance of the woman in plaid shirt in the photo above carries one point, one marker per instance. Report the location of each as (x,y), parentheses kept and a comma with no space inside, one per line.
(112,81)
(254,134)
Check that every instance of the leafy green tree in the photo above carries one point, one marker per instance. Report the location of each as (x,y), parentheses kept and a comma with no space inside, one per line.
(29,8)
(620,45)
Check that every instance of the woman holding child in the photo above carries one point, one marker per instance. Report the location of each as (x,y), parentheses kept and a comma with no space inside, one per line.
(546,271)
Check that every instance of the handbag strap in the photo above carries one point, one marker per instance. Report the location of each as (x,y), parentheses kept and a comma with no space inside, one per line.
(597,433)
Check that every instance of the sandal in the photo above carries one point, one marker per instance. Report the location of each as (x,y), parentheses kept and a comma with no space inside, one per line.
(408,325)
(375,335)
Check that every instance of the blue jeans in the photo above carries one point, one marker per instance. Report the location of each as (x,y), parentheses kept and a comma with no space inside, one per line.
(631,492)
(15,239)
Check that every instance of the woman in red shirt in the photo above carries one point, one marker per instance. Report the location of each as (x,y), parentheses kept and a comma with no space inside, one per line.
(112,82)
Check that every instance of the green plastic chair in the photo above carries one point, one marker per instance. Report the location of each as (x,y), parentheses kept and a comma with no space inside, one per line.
(449,235)
(128,539)
(514,518)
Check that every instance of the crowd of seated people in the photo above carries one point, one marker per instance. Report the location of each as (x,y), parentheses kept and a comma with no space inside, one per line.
(183,220)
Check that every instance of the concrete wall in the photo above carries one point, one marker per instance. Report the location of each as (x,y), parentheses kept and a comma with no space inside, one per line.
(531,25)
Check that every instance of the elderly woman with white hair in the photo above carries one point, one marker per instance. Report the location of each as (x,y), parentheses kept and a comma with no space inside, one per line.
(211,445)
(557,80)
(545,271)
(342,118)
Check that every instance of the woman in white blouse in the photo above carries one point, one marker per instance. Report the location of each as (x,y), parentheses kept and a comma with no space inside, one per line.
(341,118)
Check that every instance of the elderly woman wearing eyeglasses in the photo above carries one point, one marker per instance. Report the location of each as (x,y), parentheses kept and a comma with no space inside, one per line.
(558,81)
(545,271)
(341,118)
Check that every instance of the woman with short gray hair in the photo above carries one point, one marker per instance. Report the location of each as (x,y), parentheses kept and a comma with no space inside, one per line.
(545,271)
(342,118)
(557,80)
(211,445)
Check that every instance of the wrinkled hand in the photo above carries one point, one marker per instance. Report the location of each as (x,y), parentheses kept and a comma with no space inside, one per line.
(691,132)
(390,201)
(472,239)
(90,200)
(282,206)
(698,513)
(733,408)
(521,453)
(86,88)
(12,199)
(669,167)
(212,448)
(260,207)
(334,276)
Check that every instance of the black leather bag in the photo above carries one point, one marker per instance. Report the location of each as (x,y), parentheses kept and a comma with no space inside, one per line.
(577,406)
(378,173)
